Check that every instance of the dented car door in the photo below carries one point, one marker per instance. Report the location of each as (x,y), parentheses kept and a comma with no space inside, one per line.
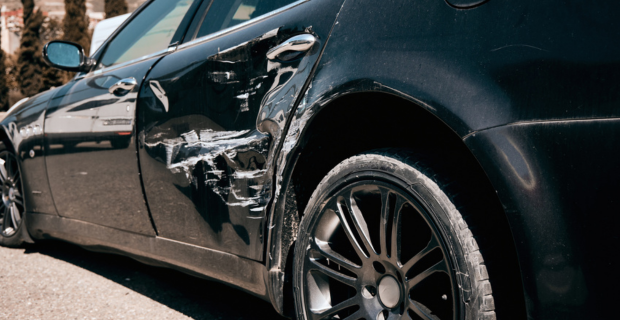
(213,113)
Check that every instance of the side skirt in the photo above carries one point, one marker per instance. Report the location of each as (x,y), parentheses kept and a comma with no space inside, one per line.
(235,271)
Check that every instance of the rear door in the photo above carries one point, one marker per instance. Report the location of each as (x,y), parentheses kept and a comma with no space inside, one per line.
(214,111)
(89,126)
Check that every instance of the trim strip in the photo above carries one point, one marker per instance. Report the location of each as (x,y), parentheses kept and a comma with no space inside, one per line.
(201,39)
(124,64)
(240,26)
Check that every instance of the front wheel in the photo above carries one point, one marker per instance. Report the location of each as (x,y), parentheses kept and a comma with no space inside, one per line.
(13,231)
(380,240)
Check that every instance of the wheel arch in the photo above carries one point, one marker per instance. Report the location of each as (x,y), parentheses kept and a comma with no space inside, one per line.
(6,138)
(322,132)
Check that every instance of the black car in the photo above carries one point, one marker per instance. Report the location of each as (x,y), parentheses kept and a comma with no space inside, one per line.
(431,159)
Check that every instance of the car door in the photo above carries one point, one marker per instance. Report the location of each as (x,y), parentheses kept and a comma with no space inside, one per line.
(89,126)
(213,113)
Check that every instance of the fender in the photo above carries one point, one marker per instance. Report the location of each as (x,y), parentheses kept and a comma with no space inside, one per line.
(557,193)
(470,68)
(23,130)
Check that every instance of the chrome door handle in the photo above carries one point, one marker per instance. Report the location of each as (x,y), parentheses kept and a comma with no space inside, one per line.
(298,43)
(125,84)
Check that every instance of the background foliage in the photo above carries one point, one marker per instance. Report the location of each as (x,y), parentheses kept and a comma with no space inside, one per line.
(115,8)
(25,74)
(4,88)
(75,23)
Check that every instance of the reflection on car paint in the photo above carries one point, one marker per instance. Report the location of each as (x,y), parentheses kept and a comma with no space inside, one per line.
(23,124)
(159,93)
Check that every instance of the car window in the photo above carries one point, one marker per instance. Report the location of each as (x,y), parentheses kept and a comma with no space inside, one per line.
(149,32)
(224,14)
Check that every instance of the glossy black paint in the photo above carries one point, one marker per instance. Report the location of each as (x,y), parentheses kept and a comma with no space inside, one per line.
(90,151)
(509,61)
(562,208)
(532,87)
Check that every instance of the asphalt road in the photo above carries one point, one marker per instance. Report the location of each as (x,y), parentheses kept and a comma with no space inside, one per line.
(56,280)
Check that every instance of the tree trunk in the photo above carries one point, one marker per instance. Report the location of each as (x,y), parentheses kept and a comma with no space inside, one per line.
(4,88)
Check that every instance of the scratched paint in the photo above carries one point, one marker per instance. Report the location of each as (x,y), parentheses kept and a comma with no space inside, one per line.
(221,154)
(220,138)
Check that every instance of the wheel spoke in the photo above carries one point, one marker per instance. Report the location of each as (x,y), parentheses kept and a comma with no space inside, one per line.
(386,212)
(9,166)
(325,250)
(315,265)
(15,216)
(432,245)
(3,174)
(6,220)
(438,267)
(360,223)
(422,311)
(337,308)
(350,233)
(395,243)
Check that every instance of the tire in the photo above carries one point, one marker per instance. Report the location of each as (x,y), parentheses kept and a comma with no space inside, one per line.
(346,266)
(13,231)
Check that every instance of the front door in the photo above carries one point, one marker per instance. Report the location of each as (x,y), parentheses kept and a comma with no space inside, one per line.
(214,111)
(89,126)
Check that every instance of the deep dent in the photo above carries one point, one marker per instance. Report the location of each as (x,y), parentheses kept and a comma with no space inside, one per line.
(215,150)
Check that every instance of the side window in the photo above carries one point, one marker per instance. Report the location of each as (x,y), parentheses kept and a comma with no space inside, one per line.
(150,31)
(224,14)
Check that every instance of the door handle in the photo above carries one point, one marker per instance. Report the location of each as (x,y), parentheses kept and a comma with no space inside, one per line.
(298,43)
(125,84)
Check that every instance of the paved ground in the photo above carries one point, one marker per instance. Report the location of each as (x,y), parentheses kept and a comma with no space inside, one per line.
(55,280)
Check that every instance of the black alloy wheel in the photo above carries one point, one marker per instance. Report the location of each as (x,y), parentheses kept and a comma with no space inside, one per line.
(380,241)
(12,205)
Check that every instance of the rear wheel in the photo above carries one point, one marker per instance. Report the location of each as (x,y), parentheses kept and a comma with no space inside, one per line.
(381,240)
(12,205)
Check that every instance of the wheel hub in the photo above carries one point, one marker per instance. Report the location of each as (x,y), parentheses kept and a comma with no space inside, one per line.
(389,292)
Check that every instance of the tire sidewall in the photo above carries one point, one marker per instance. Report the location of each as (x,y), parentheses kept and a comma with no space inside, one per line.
(17,239)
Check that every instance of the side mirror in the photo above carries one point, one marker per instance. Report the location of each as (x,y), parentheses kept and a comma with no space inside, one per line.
(66,55)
